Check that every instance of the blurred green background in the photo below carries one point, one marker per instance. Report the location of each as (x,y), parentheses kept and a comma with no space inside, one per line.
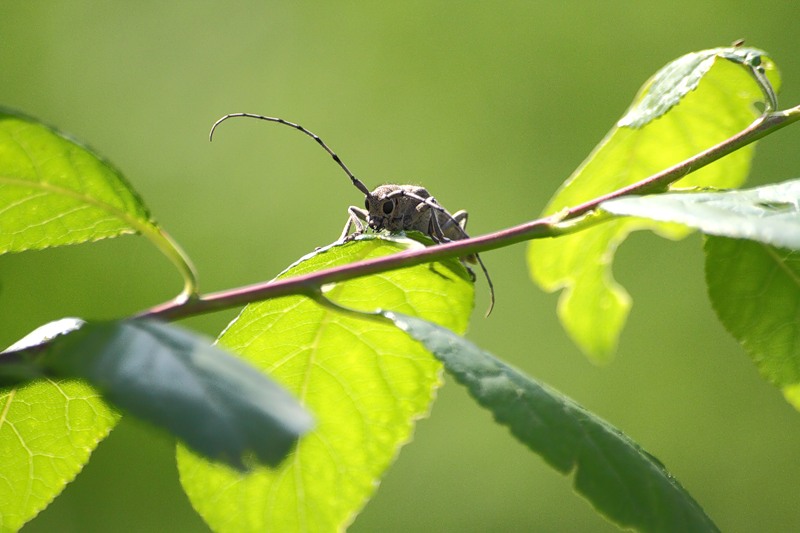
(490,105)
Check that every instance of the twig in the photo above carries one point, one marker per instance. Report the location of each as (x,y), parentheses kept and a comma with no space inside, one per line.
(550,226)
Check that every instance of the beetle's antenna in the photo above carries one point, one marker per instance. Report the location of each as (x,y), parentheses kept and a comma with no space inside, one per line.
(489,282)
(357,182)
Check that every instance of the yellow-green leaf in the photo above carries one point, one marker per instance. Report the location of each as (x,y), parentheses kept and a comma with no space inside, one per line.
(701,100)
(48,429)
(54,191)
(365,382)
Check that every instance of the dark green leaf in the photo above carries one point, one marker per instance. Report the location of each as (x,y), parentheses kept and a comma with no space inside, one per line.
(21,362)
(769,214)
(755,291)
(622,481)
(216,403)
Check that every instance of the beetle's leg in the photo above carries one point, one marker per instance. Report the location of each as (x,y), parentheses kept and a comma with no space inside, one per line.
(461,218)
(356,217)
(453,226)
(435,229)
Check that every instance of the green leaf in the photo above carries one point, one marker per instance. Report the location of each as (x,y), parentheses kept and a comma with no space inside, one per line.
(672,83)
(699,100)
(622,481)
(216,403)
(54,191)
(769,214)
(753,278)
(365,381)
(48,430)
(755,291)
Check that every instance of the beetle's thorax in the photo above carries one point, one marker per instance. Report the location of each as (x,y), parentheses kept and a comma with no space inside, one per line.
(389,209)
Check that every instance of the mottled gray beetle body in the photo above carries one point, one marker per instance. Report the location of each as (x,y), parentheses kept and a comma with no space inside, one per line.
(397,208)
(405,208)
(394,208)
(390,208)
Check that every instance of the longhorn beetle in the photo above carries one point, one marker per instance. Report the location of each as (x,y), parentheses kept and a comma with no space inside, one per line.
(394,208)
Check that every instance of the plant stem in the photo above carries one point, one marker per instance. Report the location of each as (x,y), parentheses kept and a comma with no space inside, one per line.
(568,220)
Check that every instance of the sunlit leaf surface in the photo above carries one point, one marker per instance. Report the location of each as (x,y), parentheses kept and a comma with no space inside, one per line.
(48,429)
(365,382)
(55,191)
(693,103)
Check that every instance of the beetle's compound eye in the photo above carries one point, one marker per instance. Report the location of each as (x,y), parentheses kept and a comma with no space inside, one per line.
(366,202)
(388,207)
